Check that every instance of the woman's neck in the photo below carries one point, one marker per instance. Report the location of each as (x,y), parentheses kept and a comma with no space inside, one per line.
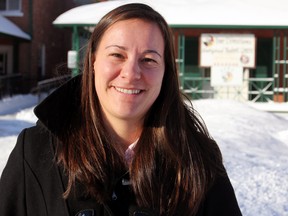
(125,132)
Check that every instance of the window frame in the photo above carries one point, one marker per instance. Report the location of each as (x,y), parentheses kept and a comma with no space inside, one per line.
(13,12)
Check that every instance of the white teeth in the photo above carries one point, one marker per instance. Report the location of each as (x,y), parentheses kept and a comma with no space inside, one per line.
(128,91)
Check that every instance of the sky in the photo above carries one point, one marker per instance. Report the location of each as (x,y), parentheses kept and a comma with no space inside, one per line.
(253,141)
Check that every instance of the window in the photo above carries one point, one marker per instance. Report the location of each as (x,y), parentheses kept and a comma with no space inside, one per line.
(10,7)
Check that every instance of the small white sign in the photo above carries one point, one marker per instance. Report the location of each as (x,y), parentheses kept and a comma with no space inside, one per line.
(226,76)
(72,59)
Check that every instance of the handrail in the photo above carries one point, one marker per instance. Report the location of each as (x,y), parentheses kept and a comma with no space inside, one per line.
(48,85)
(53,80)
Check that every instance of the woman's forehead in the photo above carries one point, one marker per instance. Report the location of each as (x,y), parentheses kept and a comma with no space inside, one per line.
(126,32)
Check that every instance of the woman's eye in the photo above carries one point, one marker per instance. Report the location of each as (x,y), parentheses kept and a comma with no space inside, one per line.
(116,55)
(149,60)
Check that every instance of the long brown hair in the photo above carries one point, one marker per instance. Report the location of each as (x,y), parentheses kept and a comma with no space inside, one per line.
(175,160)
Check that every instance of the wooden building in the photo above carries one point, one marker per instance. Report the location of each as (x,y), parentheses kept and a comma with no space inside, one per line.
(261,26)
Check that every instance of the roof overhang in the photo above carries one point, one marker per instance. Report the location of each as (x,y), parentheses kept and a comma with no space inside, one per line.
(9,28)
(265,14)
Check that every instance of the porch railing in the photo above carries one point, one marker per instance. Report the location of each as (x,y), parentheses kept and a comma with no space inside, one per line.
(255,90)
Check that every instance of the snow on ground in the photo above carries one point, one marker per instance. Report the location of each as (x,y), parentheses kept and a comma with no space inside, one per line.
(15,114)
(254,144)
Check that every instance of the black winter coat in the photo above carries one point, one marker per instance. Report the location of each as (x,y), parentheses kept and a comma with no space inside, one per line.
(32,184)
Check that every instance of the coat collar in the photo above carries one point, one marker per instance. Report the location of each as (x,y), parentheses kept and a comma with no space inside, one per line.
(58,111)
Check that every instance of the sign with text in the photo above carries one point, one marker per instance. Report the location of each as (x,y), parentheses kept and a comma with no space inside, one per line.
(237,50)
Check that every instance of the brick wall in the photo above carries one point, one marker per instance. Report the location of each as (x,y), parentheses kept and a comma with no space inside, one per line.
(37,19)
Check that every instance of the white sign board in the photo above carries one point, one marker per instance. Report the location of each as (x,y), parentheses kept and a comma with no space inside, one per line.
(237,50)
(72,59)
(226,76)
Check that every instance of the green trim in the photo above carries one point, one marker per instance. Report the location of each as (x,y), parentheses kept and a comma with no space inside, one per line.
(210,26)
(280,46)
(75,46)
(228,27)
(181,58)
(284,67)
(276,63)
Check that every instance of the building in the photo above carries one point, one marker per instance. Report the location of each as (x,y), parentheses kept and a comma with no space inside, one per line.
(255,71)
(31,48)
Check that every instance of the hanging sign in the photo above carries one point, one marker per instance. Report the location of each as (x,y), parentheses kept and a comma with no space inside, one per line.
(237,50)
(72,59)
(226,76)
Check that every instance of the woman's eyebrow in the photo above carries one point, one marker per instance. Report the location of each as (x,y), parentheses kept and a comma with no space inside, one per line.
(120,47)
(153,51)
(124,48)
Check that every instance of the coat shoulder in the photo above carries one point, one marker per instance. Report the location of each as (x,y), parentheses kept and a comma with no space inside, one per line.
(31,178)
(38,146)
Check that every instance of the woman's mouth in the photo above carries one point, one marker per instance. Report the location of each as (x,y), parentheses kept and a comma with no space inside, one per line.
(128,91)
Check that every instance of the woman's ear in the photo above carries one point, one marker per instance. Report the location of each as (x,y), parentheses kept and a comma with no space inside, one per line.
(93,62)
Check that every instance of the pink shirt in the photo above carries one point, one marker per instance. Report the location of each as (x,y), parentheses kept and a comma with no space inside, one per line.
(129,153)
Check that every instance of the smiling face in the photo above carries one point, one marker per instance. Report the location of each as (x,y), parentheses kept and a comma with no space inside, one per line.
(129,68)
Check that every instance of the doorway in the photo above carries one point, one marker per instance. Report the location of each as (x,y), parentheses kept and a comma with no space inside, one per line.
(6,61)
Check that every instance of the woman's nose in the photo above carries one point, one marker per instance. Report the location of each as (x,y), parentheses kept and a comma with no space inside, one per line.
(131,70)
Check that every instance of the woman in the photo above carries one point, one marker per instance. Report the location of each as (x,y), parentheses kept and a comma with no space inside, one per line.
(120,139)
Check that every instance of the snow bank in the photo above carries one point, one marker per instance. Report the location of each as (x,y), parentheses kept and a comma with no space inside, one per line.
(254,144)
(15,104)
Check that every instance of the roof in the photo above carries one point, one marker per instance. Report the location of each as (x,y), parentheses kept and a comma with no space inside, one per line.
(193,13)
(9,28)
